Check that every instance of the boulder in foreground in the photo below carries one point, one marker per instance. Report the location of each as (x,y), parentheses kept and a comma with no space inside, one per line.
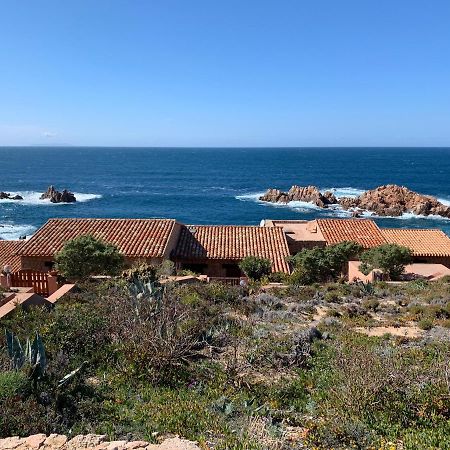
(90,441)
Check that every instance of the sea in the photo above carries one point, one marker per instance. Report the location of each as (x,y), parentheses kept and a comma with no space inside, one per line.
(208,185)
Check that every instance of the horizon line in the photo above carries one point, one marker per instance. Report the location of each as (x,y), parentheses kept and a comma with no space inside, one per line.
(2,146)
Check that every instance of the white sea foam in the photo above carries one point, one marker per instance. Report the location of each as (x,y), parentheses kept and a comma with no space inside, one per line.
(9,231)
(344,191)
(33,198)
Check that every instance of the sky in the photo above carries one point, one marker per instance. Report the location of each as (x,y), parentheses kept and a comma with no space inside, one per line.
(225,72)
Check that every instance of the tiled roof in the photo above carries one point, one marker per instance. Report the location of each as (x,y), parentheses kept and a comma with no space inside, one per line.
(363,231)
(229,242)
(8,256)
(140,238)
(422,242)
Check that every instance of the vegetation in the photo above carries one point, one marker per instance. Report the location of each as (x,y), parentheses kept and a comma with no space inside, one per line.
(85,255)
(294,368)
(255,268)
(391,259)
(323,264)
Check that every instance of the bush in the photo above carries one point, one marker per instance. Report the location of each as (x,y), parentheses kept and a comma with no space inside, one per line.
(142,271)
(426,324)
(255,268)
(86,255)
(319,264)
(391,259)
(12,383)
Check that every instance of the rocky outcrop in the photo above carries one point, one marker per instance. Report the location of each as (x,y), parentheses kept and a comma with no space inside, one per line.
(310,194)
(58,197)
(388,200)
(6,196)
(393,200)
(89,441)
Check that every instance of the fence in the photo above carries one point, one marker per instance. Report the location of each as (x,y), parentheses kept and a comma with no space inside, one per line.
(31,278)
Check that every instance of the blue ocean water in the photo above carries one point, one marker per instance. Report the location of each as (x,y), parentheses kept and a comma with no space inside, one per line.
(201,185)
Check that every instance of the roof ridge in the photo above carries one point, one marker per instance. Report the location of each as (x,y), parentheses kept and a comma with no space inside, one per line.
(110,218)
(412,229)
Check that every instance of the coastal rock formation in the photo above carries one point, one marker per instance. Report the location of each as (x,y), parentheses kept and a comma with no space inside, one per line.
(393,200)
(308,194)
(89,441)
(387,200)
(58,197)
(6,196)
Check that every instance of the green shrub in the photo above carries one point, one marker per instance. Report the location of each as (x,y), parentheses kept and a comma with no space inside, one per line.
(425,324)
(144,272)
(278,277)
(322,264)
(391,259)
(12,383)
(255,268)
(85,255)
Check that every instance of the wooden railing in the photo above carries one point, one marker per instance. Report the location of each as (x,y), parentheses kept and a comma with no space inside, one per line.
(232,281)
(31,278)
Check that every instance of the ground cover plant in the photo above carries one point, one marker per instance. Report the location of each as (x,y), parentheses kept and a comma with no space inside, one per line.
(323,366)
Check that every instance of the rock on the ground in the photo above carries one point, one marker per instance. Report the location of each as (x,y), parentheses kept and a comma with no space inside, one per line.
(58,197)
(89,441)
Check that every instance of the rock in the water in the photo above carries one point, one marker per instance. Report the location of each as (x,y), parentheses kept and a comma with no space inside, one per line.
(388,200)
(393,200)
(6,196)
(296,193)
(58,197)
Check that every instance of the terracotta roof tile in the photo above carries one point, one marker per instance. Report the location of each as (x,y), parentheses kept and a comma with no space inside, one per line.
(8,254)
(363,231)
(140,238)
(429,242)
(229,242)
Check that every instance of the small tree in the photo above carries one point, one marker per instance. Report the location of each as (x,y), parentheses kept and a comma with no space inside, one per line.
(391,259)
(85,255)
(255,268)
(320,264)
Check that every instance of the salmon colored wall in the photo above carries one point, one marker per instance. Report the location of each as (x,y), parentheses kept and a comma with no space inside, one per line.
(355,274)
(433,260)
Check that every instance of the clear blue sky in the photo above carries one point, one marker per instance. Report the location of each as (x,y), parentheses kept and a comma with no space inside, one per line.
(225,72)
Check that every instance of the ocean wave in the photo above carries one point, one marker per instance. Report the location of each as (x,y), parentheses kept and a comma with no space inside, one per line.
(344,191)
(10,231)
(33,198)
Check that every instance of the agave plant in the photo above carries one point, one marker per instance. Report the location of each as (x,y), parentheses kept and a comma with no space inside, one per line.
(367,288)
(141,290)
(33,355)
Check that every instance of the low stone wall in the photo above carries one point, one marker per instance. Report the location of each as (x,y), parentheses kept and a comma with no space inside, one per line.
(89,441)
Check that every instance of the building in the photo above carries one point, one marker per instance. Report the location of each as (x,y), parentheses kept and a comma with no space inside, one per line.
(430,246)
(9,256)
(212,250)
(302,234)
(149,240)
(216,250)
